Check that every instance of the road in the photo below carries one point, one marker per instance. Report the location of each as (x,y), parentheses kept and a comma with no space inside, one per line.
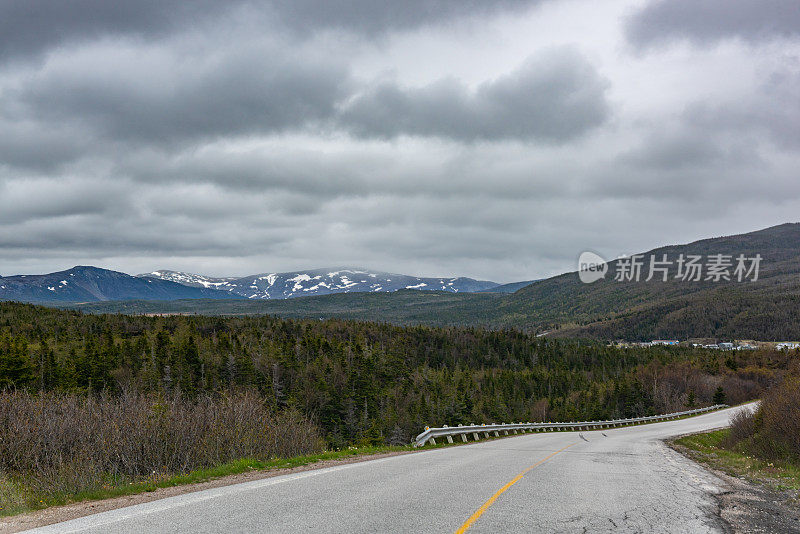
(617,480)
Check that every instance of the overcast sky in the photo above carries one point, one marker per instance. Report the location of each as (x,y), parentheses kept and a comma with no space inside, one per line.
(495,140)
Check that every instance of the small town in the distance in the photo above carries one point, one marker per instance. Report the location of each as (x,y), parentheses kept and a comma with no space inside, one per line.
(419,266)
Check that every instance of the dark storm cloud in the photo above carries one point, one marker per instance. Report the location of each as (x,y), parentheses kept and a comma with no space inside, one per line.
(166,97)
(554,96)
(180,88)
(30,27)
(704,21)
(371,17)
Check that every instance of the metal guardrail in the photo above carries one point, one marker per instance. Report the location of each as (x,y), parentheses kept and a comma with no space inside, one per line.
(430,434)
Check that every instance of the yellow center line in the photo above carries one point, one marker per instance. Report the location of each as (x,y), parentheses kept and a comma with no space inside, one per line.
(479,512)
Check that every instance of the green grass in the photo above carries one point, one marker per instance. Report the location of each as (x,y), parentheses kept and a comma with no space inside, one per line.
(708,449)
(15,498)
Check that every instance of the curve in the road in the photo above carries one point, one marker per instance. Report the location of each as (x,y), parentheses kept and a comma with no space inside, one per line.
(614,480)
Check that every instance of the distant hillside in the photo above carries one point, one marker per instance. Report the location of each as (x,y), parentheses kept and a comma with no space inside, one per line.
(513,287)
(613,309)
(90,284)
(321,282)
(766,309)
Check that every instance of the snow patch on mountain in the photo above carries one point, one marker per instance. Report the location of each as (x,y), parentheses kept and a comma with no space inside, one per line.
(320,282)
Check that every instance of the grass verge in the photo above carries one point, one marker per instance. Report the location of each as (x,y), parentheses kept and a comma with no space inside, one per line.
(707,448)
(15,498)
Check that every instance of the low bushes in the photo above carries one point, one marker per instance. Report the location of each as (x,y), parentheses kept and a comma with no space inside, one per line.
(59,443)
(772,431)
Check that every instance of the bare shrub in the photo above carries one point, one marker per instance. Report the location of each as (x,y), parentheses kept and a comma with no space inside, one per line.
(780,420)
(60,442)
(773,430)
(742,428)
(738,389)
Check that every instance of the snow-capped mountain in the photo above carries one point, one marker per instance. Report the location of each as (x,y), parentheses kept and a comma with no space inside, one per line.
(320,282)
(91,284)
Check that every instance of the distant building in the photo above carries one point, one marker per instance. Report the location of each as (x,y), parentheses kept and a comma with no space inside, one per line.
(787,346)
(711,346)
(665,342)
(725,346)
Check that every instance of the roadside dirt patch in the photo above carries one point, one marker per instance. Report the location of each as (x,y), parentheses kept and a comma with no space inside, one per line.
(748,507)
(57,514)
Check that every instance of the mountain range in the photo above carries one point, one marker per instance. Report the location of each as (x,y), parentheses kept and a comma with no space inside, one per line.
(324,282)
(766,308)
(91,284)
(83,284)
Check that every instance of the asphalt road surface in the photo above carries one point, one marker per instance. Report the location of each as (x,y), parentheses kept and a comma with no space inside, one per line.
(615,480)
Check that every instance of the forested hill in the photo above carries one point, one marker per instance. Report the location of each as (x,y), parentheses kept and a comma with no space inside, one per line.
(368,382)
(766,309)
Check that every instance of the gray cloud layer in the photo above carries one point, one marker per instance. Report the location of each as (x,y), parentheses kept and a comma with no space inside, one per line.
(370,17)
(165,97)
(705,21)
(247,136)
(554,96)
(30,27)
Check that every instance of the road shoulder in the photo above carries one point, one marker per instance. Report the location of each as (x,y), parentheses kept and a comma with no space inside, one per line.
(749,505)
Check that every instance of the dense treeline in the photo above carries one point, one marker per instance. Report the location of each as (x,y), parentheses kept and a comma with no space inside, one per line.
(724,313)
(367,382)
